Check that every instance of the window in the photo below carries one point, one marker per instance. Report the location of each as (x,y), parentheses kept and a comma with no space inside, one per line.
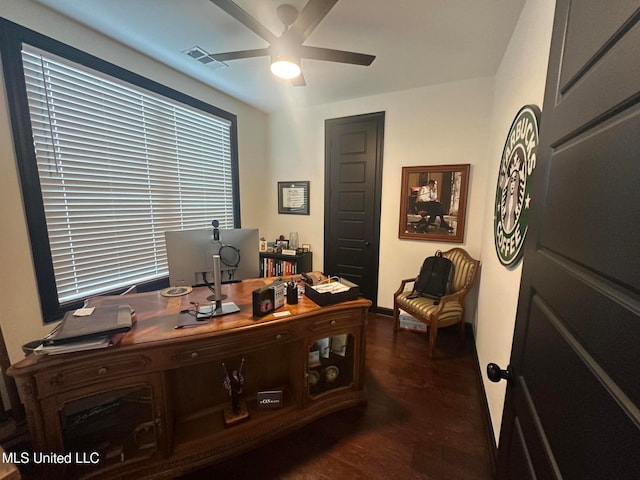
(117,165)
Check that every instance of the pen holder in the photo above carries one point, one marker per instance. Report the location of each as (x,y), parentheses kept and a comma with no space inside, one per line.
(292,294)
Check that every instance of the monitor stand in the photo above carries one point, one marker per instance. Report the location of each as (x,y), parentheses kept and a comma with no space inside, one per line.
(218,296)
(220,309)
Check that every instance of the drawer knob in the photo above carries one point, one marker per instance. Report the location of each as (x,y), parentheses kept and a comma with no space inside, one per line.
(332,322)
(194,355)
(279,336)
(102,371)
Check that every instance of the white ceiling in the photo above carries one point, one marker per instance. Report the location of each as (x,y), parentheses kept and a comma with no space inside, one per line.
(416,42)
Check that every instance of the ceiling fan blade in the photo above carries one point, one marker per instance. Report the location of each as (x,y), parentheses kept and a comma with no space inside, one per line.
(247,20)
(330,55)
(308,19)
(226,56)
(299,81)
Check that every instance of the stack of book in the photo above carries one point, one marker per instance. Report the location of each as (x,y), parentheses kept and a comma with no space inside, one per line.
(275,267)
(88,329)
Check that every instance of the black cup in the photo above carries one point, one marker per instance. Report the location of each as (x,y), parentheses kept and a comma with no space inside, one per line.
(292,294)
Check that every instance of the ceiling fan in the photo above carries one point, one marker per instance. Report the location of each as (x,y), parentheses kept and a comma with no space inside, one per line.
(287,49)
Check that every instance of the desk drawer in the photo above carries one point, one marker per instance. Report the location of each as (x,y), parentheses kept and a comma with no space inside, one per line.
(336,321)
(230,345)
(64,378)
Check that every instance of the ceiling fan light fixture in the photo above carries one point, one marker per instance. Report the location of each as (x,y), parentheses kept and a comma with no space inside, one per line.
(285,67)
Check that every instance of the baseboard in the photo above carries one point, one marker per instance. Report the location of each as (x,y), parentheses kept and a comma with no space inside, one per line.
(488,426)
(382,311)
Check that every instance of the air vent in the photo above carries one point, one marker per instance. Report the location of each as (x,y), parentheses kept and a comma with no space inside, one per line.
(199,54)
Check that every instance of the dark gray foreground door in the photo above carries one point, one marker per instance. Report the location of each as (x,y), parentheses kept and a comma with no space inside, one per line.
(572,407)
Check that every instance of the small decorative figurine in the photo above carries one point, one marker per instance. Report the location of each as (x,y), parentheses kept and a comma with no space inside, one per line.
(233,384)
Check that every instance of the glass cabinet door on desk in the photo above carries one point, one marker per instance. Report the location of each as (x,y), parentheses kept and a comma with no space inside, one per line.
(114,427)
(331,364)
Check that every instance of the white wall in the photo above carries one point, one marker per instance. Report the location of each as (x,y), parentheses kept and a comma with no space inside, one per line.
(520,80)
(20,316)
(438,125)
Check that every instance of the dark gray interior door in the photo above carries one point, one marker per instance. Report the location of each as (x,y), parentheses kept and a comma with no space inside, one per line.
(572,407)
(353,179)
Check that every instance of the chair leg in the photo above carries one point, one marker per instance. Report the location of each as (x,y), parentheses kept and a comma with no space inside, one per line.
(433,333)
(396,317)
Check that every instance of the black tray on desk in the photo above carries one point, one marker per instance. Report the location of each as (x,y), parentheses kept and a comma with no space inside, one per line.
(328,298)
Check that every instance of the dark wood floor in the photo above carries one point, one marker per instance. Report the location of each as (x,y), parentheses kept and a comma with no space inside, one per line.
(423,420)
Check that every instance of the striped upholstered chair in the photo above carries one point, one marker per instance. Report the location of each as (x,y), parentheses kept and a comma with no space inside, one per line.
(450,310)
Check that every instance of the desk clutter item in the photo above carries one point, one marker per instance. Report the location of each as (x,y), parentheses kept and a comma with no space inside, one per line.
(271,399)
(88,329)
(292,293)
(175,291)
(294,241)
(79,346)
(332,291)
(102,322)
(268,298)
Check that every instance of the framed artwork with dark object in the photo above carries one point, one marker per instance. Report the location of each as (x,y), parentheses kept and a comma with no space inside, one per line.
(293,198)
(282,244)
(433,202)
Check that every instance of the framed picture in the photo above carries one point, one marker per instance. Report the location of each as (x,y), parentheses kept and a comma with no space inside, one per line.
(433,202)
(282,244)
(293,198)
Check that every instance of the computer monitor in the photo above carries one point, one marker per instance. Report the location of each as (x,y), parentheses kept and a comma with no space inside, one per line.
(190,255)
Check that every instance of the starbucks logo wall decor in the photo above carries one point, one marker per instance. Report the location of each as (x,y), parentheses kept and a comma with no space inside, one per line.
(513,193)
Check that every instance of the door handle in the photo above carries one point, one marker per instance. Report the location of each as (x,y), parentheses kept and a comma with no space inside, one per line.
(495,373)
(367,244)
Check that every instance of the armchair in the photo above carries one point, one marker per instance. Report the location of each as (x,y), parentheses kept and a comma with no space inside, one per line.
(450,310)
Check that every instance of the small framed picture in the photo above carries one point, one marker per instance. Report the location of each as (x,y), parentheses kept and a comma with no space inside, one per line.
(339,344)
(282,244)
(293,198)
(324,347)
(306,248)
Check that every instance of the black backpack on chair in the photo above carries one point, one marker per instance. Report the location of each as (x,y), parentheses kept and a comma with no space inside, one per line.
(434,278)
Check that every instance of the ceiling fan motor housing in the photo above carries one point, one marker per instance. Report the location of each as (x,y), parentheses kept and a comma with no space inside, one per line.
(287,14)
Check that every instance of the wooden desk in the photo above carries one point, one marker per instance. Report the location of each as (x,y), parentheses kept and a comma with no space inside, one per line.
(153,406)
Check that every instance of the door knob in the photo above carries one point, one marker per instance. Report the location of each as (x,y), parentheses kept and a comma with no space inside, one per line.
(495,373)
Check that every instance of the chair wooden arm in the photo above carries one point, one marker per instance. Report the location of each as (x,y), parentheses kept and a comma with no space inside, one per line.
(455,296)
(403,283)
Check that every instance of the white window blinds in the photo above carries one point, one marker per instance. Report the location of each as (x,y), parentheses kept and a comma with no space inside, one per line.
(118,166)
